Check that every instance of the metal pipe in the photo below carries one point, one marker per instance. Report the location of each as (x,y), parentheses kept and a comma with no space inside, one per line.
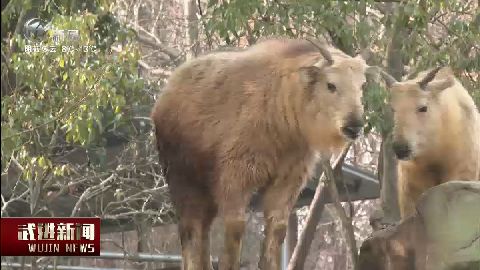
(58,267)
(284,255)
(137,257)
(108,255)
(359,173)
(140,257)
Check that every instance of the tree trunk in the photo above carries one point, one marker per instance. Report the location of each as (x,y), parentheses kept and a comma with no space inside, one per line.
(144,234)
(340,261)
(388,163)
(388,178)
(292,233)
(190,13)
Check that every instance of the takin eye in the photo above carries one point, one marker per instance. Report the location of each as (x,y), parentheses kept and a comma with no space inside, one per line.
(331,87)
(422,109)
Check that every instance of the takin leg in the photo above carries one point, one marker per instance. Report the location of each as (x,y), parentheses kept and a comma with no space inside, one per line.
(410,192)
(412,182)
(196,211)
(278,201)
(194,229)
(406,203)
(234,222)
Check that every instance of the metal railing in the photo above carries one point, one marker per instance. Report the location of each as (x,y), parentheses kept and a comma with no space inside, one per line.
(107,255)
(57,267)
(139,257)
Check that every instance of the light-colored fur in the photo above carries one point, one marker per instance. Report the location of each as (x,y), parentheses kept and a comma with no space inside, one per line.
(445,140)
(232,123)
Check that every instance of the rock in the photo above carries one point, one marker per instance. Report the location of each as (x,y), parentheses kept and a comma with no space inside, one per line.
(443,234)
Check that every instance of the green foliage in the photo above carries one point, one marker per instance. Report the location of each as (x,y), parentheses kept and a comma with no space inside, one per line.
(233,20)
(73,97)
(375,109)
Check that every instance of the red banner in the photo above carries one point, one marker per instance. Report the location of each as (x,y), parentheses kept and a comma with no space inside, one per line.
(50,236)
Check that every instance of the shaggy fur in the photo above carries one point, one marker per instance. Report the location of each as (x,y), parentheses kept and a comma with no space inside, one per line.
(232,123)
(440,127)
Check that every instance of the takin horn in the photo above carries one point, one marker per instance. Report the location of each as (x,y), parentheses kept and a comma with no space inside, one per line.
(323,51)
(428,78)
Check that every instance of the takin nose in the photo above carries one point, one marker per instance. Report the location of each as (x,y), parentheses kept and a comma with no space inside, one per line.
(402,150)
(353,128)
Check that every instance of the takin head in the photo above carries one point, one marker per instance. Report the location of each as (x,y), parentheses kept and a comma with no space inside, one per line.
(416,111)
(334,88)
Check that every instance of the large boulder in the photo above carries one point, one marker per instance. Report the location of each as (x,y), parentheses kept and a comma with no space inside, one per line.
(443,234)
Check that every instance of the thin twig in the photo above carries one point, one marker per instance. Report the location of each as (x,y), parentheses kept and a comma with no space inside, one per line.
(90,192)
(17,198)
(200,12)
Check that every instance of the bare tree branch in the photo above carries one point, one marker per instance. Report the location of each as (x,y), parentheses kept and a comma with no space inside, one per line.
(92,191)
(11,200)
(156,43)
(314,214)
(346,221)
(154,71)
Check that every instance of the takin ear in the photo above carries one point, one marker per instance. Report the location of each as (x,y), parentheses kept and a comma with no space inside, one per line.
(309,75)
(364,54)
(360,57)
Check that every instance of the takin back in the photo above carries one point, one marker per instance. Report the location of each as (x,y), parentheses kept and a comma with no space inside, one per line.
(230,124)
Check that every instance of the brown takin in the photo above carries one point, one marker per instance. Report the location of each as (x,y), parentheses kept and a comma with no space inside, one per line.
(230,124)
(436,133)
